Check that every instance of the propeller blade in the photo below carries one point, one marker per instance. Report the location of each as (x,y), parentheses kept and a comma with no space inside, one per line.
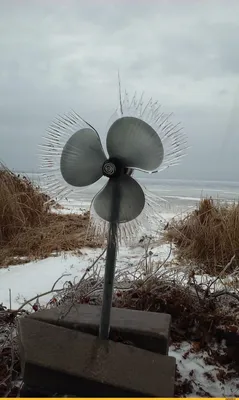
(82,158)
(124,194)
(136,143)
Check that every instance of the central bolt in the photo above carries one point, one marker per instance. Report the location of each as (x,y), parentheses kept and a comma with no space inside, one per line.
(112,168)
(109,169)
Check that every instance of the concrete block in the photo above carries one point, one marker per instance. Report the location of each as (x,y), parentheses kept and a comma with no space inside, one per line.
(66,361)
(146,330)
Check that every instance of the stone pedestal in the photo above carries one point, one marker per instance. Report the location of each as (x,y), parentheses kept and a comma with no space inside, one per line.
(146,330)
(64,355)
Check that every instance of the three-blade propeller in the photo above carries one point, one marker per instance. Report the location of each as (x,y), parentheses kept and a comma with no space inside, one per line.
(131,144)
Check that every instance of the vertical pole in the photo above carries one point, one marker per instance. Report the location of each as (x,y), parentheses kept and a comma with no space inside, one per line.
(110,265)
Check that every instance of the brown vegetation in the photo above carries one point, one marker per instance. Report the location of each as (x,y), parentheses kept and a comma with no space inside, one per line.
(208,236)
(194,317)
(28,230)
(195,320)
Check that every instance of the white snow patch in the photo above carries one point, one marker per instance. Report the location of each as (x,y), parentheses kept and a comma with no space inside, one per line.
(34,278)
(31,279)
(195,362)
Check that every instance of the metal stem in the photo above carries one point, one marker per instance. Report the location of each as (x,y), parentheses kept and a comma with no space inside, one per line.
(109,282)
(110,266)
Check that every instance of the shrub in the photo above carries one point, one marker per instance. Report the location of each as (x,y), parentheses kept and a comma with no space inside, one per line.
(28,229)
(21,205)
(208,236)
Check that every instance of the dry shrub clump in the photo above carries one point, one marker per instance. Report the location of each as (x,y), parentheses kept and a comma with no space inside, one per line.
(28,229)
(192,318)
(208,236)
(21,205)
(9,354)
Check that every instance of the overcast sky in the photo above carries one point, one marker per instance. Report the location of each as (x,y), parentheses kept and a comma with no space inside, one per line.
(59,55)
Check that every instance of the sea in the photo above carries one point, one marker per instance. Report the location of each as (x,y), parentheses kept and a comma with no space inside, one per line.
(176,194)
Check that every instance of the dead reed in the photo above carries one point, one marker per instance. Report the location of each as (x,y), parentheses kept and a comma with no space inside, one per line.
(208,236)
(28,229)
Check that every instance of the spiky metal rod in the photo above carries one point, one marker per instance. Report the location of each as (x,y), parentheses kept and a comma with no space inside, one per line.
(110,265)
(108,282)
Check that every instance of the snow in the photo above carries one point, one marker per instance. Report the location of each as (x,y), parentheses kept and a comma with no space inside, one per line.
(32,279)
(194,199)
(72,207)
(192,366)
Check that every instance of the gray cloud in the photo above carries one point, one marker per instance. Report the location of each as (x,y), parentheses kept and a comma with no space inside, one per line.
(58,55)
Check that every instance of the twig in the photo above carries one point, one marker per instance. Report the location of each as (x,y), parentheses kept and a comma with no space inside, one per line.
(53,290)
(80,282)
(159,267)
(12,358)
(62,276)
(146,249)
(196,290)
(10,299)
(222,272)
(90,267)
(36,297)
(224,293)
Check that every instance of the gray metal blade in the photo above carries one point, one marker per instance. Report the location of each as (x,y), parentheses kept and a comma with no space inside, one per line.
(123,191)
(82,158)
(136,143)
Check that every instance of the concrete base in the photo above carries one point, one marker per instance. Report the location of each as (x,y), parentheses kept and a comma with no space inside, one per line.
(146,330)
(58,361)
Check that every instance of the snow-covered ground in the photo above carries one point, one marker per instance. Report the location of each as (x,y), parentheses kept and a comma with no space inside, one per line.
(207,380)
(31,279)
(34,278)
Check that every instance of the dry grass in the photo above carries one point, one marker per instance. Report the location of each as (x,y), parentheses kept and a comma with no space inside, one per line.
(28,229)
(208,236)
(21,205)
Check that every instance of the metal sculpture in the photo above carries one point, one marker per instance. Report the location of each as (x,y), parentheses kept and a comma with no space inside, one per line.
(141,138)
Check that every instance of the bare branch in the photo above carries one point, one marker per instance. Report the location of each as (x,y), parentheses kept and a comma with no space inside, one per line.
(224,293)
(159,267)
(37,297)
(91,267)
(62,276)
(222,272)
